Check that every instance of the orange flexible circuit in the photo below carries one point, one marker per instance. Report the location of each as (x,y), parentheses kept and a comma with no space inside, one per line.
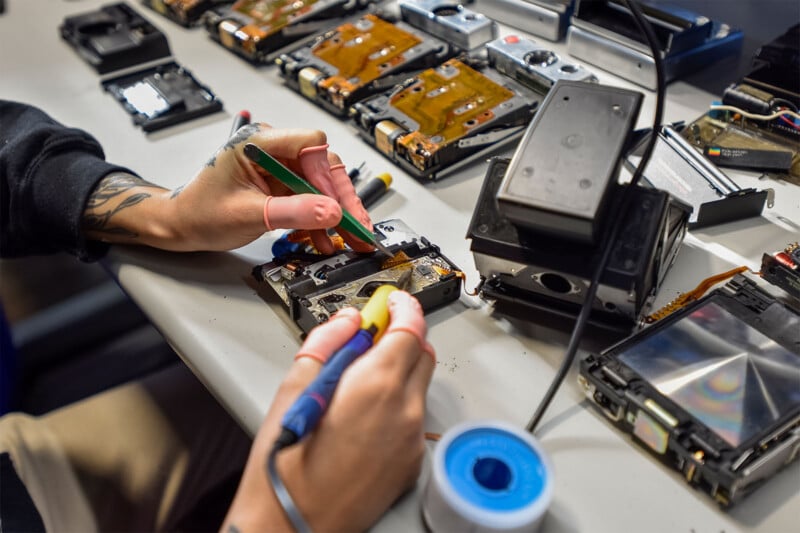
(693,294)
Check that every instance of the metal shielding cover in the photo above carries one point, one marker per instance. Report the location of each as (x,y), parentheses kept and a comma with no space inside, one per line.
(450,21)
(543,18)
(533,64)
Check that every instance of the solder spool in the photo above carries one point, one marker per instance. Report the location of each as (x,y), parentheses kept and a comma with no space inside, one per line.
(487,477)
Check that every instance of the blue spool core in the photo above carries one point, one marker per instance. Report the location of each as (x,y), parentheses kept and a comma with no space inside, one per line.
(494,470)
(492,473)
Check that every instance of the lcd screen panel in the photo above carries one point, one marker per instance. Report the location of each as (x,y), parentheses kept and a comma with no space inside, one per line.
(721,370)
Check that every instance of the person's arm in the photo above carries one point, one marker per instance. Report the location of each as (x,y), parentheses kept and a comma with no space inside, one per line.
(223,207)
(46,173)
(369,446)
(60,194)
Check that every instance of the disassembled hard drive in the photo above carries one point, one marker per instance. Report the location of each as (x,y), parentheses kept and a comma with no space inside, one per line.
(256,28)
(452,113)
(444,115)
(184,12)
(314,287)
(358,59)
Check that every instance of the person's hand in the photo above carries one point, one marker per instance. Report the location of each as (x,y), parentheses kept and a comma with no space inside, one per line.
(232,201)
(368,448)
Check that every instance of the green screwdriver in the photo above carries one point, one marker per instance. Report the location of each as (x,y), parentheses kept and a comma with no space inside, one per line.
(300,186)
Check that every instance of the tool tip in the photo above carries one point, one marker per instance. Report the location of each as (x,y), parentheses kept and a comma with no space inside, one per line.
(382,248)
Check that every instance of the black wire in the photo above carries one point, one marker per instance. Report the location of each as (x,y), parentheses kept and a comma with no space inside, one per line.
(287,438)
(613,233)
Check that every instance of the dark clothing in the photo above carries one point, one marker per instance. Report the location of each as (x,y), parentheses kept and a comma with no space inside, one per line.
(47,172)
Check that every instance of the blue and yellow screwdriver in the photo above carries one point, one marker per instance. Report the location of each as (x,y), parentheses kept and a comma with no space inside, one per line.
(307,410)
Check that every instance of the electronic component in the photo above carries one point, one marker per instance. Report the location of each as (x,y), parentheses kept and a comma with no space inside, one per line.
(444,115)
(757,126)
(732,132)
(314,287)
(711,390)
(358,59)
(255,29)
(114,37)
(605,33)
(561,176)
(534,275)
(782,269)
(676,167)
(184,12)
(543,18)
(162,96)
(449,21)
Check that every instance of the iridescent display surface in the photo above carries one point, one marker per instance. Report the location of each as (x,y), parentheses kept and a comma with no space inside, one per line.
(722,371)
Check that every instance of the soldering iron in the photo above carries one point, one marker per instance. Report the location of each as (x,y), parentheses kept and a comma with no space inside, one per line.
(305,413)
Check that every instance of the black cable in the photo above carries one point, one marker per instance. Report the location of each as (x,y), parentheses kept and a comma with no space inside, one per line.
(613,233)
(286,438)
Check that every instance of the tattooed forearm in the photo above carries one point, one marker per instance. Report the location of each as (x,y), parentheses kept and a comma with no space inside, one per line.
(176,192)
(113,186)
(241,135)
(233,529)
(113,194)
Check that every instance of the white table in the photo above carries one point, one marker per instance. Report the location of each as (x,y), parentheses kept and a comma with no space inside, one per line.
(488,368)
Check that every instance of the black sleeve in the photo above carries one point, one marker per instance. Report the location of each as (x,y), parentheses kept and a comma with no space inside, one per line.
(47,172)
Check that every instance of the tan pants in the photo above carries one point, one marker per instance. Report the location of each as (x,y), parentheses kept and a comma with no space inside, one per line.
(135,458)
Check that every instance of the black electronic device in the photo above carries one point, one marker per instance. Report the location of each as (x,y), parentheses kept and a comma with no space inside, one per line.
(529,273)
(562,174)
(114,37)
(678,168)
(162,96)
(605,33)
(776,67)
(258,29)
(313,287)
(184,12)
(712,390)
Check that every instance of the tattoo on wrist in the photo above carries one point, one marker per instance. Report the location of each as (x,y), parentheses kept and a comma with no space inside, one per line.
(176,192)
(233,529)
(113,188)
(244,133)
